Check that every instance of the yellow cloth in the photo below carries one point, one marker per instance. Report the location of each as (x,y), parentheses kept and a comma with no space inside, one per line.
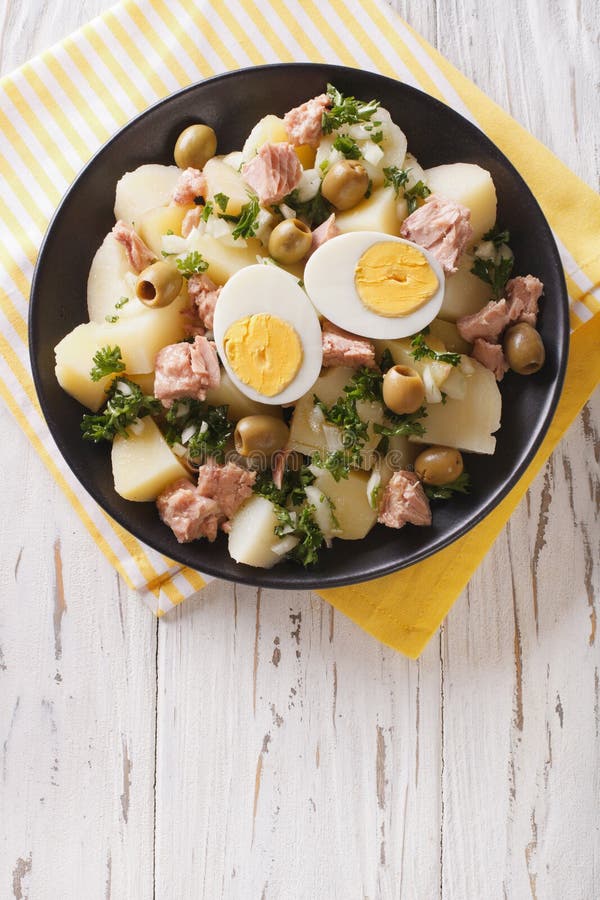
(55,112)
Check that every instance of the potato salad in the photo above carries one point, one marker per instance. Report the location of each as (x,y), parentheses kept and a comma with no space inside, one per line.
(297,340)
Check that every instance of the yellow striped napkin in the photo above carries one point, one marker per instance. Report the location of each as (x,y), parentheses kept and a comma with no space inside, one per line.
(59,108)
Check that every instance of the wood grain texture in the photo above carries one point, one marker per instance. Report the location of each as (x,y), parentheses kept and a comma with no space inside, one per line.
(257,745)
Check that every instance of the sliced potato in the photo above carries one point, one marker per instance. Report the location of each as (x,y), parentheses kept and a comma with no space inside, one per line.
(252,535)
(467,424)
(379,212)
(156,222)
(401,352)
(239,405)
(224,261)
(464,292)
(109,280)
(470,185)
(74,356)
(351,508)
(309,433)
(143,464)
(143,189)
(449,335)
(221,178)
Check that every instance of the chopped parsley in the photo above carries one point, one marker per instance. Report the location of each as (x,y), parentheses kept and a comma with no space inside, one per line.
(106,362)
(208,428)
(377,137)
(111,319)
(496,271)
(365,384)
(346,110)
(418,191)
(247,221)
(302,525)
(396,177)
(126,403)
(387,361)
(221,200)
(207,212)
(192,264)
(314,212)
(422,350)
(402,424)
(462,485)
(496,274)
(346,145)
(121,303)
(337,463)
(292,490)
(375,496)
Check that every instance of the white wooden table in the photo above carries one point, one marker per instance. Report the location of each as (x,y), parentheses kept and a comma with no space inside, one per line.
(254,744)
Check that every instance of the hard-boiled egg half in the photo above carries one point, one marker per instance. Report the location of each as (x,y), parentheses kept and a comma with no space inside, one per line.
(374,284)
(268,334)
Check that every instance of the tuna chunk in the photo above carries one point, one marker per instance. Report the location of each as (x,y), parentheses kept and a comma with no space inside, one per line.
(138,254)
(227,485)
(323,233)
(442,227)
(404,500)
(488,323)
(190,514)
(303,123)
(523,294)
(273,172)
(340,348)
(491,356)
(190,185)
(204,293)
(186,370)
(191,220)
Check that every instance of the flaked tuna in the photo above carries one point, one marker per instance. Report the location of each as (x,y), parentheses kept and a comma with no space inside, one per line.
(404,501)
(204,293)
(491,356)
(304,123)
(227,485)
(323,233)
(273,173)
(187,512)
(340,348)
(522,295)
(191,220)
(186,370)
(488,323)
(441,226)
(190,186)
(139,255)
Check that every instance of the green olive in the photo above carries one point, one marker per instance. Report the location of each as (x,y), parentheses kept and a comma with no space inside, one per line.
(524,349)
(260,435)
(345,184)
(290,241)
(158,285)
(195,146)
(439,465)
(403,390)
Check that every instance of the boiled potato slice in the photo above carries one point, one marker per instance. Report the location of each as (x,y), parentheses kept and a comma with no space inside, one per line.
(415,171)
(110,279)
(235,159)
(156,222)
(143,189)
(222,179)
(143,464)
(464,292)
(469,185)
(252,535)
(309,434)
(351,507)
(224,261)
(466,424)
(401,352)
(448,334)
(74,355)
(379,212)
(145,381)
(239,405)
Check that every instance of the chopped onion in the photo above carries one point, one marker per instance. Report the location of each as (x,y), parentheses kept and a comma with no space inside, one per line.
(372,485)
(285,545)
(316,419)
(203,428)
(466,365)
(309,184)
(188,433)
(372,152)
(123,388)
(485,250)
(286,211)
(182,410)
(136,427)
(432,392)
(173,243)
(178,450)
(333,438)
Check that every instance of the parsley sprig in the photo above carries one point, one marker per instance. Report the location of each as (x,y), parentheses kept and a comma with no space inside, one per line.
(462,485)
(348,146)
(304,526)
(212,428)
(314,212)
(337,463)
(247,221)
(346,110)
(418,191)
(292,490)
(497,236)
(106,362)
(496,271)
(395,177)
(126,403)
(407,424)
(221,200)
(192,264)
(422,350)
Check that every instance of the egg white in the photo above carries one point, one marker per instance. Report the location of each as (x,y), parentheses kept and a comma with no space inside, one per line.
(269,289)
(329,282)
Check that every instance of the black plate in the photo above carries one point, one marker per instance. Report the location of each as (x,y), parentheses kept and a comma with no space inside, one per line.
(232,103)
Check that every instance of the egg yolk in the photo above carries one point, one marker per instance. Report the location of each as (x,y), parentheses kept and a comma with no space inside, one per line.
(394,279)
(264,352)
